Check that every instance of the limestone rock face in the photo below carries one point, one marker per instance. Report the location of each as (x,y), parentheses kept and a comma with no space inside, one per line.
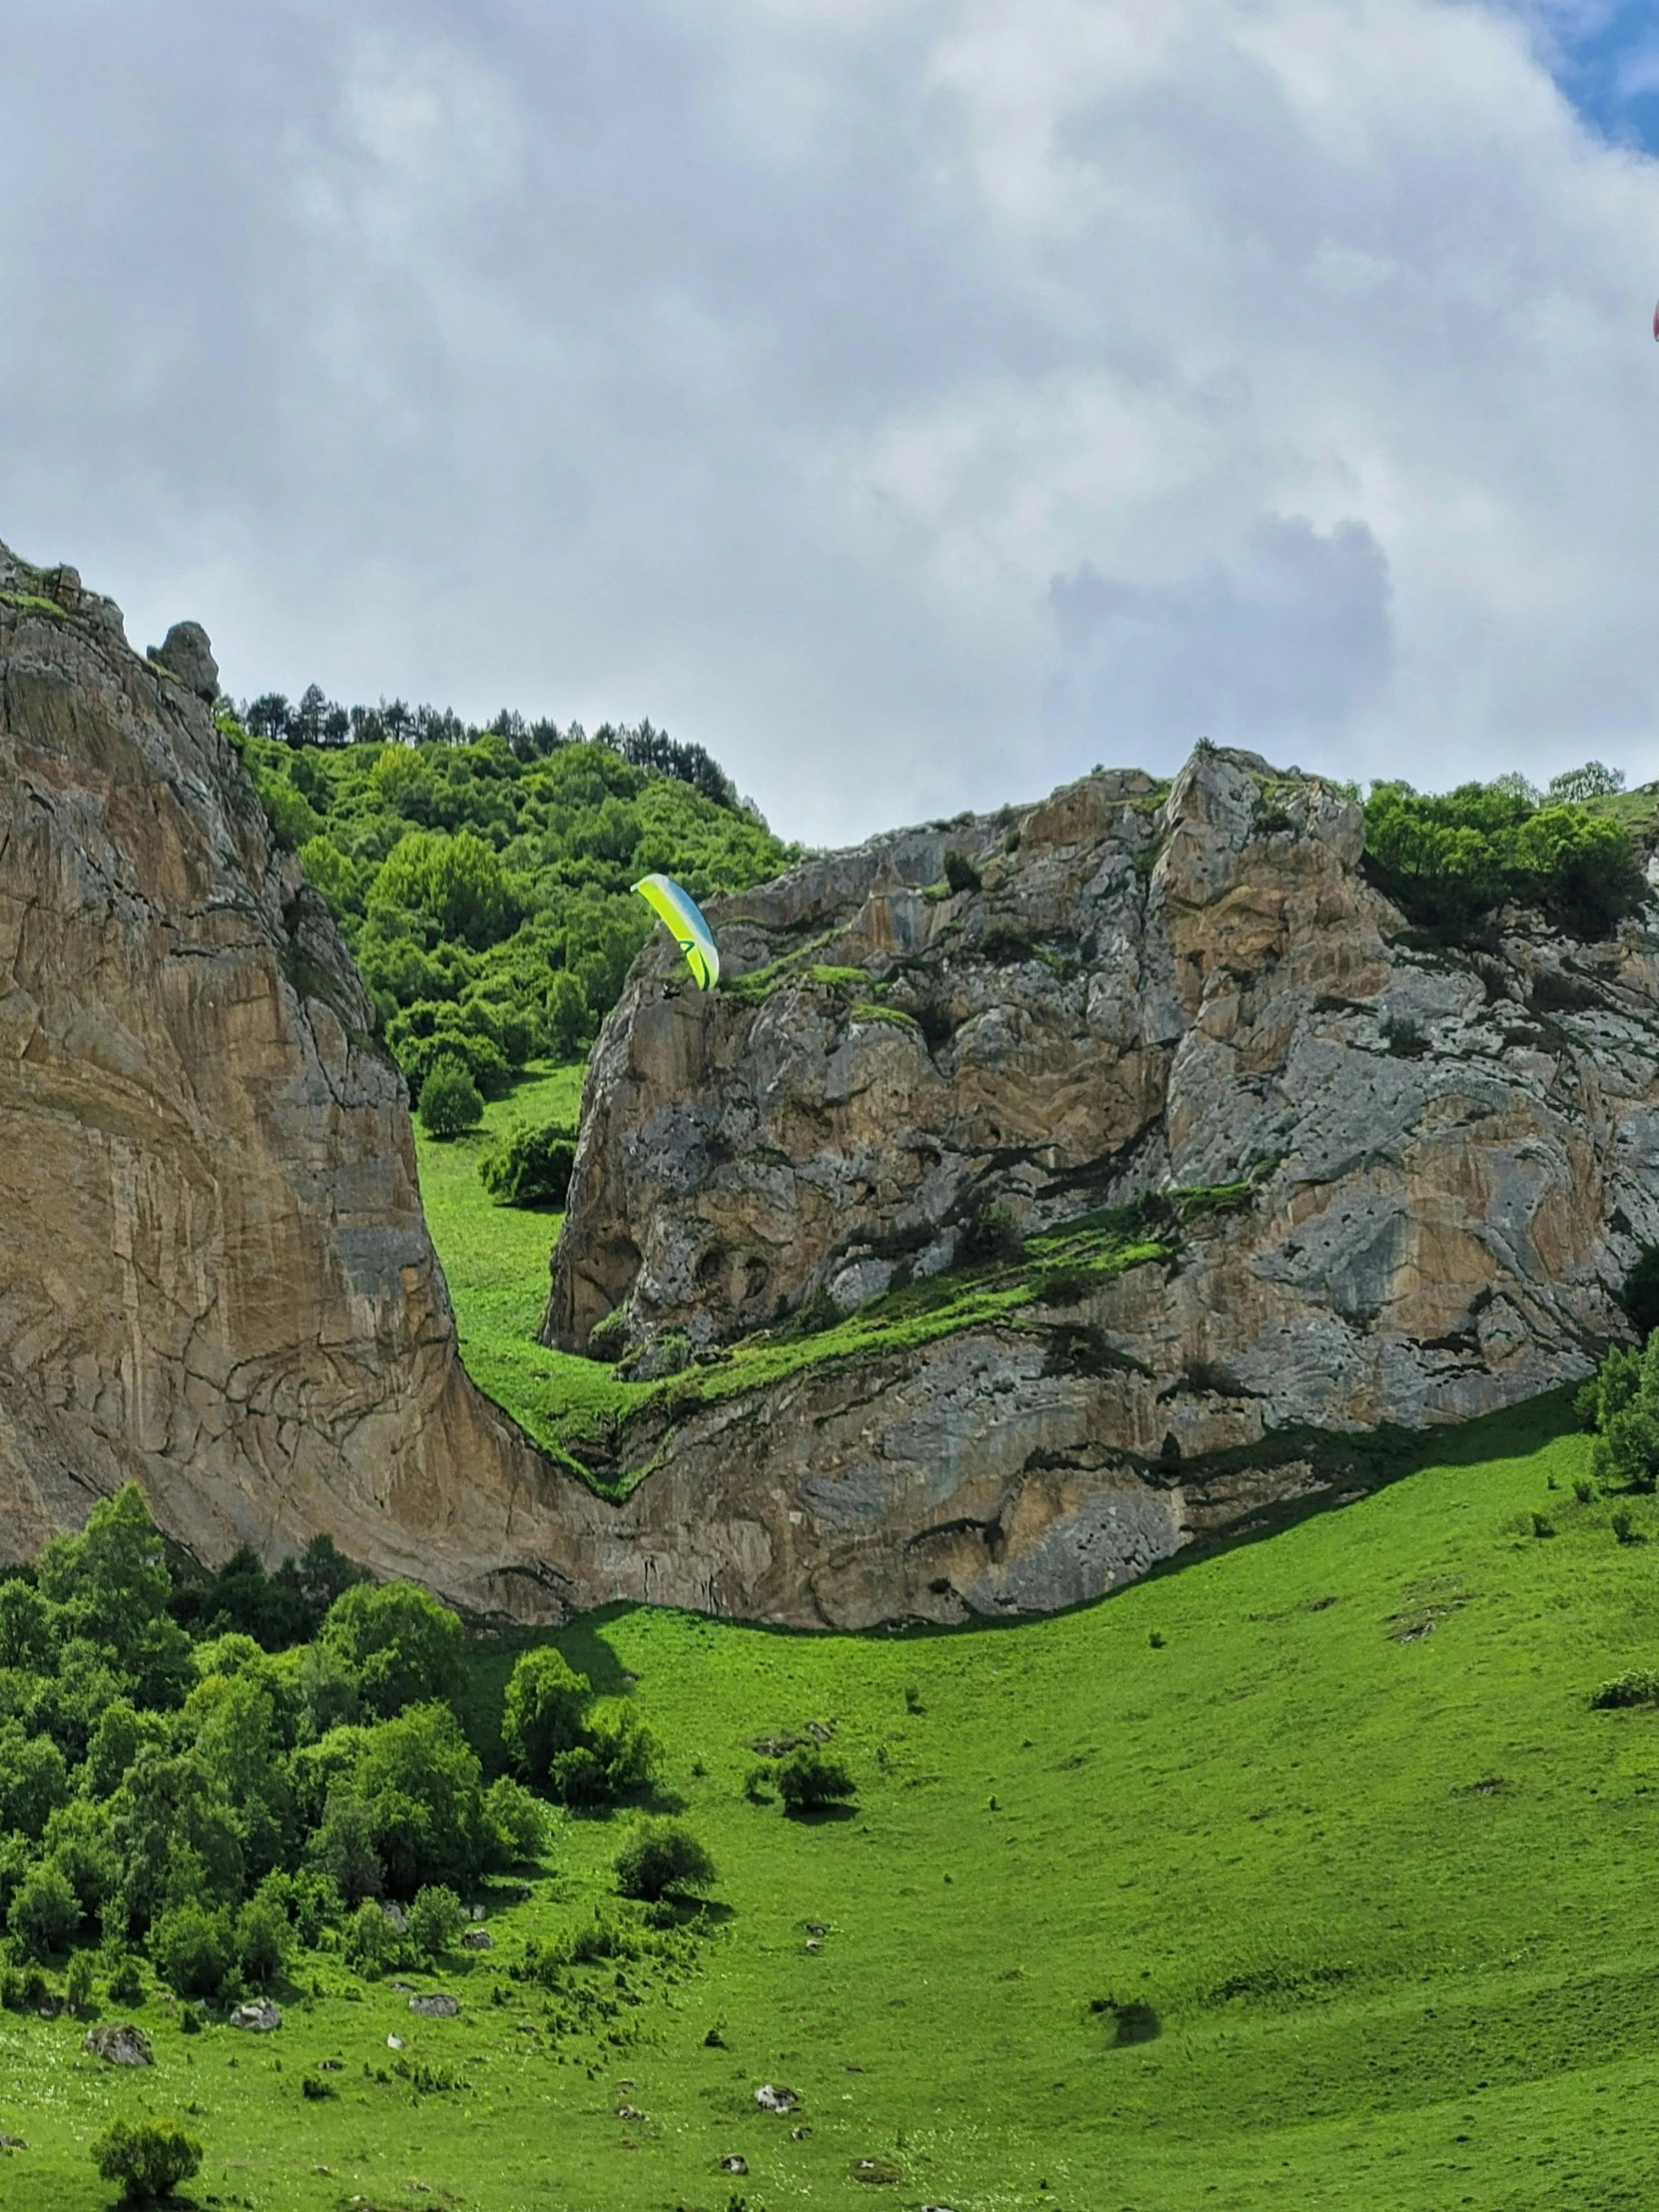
(217,1281)
(1451,1160)
(217,1275)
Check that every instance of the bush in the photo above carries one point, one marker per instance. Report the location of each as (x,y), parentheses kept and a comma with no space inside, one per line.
(518,1822)
(402,1646)
(543,1710)
(126,1982)
(992,1234)
(45,1913)
(960,873)
(264,1940)
(76,1988)
(530,1167)
(1447,861)
(808,1779)
(435,1919)
(659,1857)
(1639,1686)
(147,2157)
(450,1101)
(193,1950)
(371,1944)
(1624,1527)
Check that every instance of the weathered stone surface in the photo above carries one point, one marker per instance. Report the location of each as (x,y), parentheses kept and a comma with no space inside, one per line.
(185,653)
(118,2043)
(439,2006)
(218,1281)
(217,1276)
(261,2017)
(1453,1158)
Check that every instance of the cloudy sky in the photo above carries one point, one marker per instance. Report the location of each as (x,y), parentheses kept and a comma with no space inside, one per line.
(915,401)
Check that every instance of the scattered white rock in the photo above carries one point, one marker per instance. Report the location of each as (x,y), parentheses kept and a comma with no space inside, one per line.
(733,2164)
(258,2017)
(774,2098)
(478,1939)
(394,2042)
(439,2006)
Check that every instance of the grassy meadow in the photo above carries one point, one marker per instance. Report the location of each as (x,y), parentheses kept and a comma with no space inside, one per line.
(1302,1876)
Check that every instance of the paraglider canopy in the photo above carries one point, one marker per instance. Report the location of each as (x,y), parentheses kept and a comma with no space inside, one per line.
(690,932)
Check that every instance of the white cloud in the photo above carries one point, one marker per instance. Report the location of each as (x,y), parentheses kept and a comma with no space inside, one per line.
(913,402)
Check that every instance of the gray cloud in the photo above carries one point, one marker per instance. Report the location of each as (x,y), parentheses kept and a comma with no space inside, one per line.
(759,367)
(1281,649)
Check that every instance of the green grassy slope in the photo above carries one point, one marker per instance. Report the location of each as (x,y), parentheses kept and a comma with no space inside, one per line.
(1350,1832)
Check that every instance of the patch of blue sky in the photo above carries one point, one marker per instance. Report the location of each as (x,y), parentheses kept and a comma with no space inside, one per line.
(1604,55)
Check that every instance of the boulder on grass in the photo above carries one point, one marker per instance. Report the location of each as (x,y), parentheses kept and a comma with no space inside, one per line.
(118,2043)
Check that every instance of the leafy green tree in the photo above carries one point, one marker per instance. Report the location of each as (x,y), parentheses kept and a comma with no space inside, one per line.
(371,1944)
(569,1019)
(401,1644)
(530,1167)
(44,1914)
(1449,861)
(34,1780)
(147,2157)
(78,1841)
(449,1102)
(343,1849)
(543,1710)
(175,1835)
(808,1779)
(454,885)
(660,1856)
(238,1743)
(113,1584)
(264,1940)
(26,1628)
(436,1920)
(422,1787)
(193,1949)
(518,1821)
(115,1742)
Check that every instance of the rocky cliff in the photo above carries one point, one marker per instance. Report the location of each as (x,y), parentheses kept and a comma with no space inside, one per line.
(1443,1167)
(217,1275)
(1038,1191)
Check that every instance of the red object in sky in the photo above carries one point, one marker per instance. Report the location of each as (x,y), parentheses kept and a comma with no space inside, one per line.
(1656,323)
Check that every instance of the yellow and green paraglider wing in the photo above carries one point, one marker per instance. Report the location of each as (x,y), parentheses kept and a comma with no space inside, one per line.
(686,926)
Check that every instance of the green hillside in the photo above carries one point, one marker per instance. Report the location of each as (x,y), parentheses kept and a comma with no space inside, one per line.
(1327,1820)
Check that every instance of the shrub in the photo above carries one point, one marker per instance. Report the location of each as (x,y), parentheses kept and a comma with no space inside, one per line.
(435,1919)
(1447,861)
(1541,1525)
(530,1167)
(1639,1686)
(992,1234)
(316,2089)
(450,1103)
(808,1779)
(401,1644)
(543,1709)
(76,1988)
(1624,1527)
(659,1857)
(264,1940)
(193,1950)
(45,1913)
(147,2157)
(960,873)
(518,1822)
(1583,1489)
(371,1944)
(126,1982)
